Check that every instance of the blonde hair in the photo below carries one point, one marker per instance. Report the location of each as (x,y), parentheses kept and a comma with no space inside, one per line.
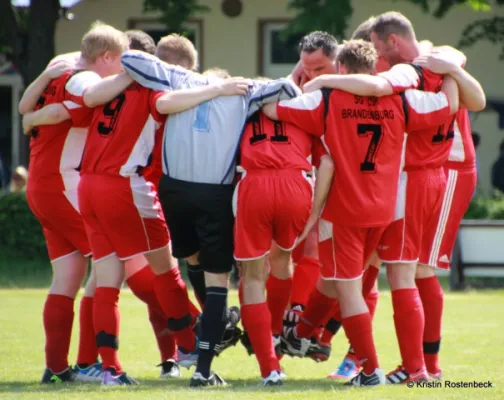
(177,50)
(358,56)
(19,179)
(101,38)
(218,72)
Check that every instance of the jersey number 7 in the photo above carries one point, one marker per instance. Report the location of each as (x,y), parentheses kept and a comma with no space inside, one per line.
(375,130)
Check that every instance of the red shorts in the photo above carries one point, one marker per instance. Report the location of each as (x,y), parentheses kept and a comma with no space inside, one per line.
(63,228)
(439,240)
(345,250)
(270,205)
(308,247)
(419,200)
(122,216)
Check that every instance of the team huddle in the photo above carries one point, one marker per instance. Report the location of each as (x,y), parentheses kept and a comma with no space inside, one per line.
(362,156)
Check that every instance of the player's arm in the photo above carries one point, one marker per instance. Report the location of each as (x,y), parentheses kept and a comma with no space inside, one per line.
(49,115)
(359,84)
(472,95)
(323,183)
(305,111)
(106,90)
(36,88)
(151,72)
(180,100)
(425,109)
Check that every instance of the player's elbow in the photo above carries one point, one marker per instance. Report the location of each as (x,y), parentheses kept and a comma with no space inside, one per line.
(23,108)
(270,111)
(166,105)
(476,103)
(90,100)
(382,89)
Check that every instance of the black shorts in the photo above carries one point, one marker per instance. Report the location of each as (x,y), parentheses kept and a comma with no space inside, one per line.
(200,218)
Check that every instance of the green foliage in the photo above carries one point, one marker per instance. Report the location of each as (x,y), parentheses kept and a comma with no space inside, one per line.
(491,29)
(330,16)
(20,232)
(486,208)
(174,13)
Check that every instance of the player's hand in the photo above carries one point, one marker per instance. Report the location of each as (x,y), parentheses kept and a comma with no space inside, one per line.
(55,70)
(312,220)
(27,123)
(439,62)
(235,86)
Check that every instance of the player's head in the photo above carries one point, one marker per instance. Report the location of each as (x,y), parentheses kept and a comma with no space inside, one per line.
(318,52)
(217,72)
(363,32)
(139,40)
(177,50)
(101,48)
(357,57)
(393,36)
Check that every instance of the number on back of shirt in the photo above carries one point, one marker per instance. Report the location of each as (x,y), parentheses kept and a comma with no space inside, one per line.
(375,131)
(258,136)
(110,115)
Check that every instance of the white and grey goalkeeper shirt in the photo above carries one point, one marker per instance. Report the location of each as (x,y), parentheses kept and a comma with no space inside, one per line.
(200,144)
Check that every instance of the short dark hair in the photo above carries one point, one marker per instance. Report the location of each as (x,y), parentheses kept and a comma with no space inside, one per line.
(319,40)
(358,56)
(392,22)
(139,40)
(363,31)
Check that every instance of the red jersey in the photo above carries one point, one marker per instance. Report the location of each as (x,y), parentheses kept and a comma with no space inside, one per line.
(318,151)
(56,150)
(153,172)
(364,136)
(462,152)
(273,144)
(122,133)
(429,150)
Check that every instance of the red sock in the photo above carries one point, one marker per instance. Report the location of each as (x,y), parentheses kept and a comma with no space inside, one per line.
(256,320)
(372,301)
(88,352)
(106,325)
(431,294)
(278,295)
(306,275)
(359,331)
(58,319)
(318,309)
(164,338)
(368,279)
(171,293)
(409,323)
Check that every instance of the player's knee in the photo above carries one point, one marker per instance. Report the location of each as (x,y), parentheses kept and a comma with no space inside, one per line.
(424,271)
(401,276)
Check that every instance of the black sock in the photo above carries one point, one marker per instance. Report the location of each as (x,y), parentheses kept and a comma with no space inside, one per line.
(333,326)
(197,279)
(213,324)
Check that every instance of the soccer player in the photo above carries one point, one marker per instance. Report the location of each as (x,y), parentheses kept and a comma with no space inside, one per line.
(272,203)
(52,188)
(362,198)
(394,37)
(196,189)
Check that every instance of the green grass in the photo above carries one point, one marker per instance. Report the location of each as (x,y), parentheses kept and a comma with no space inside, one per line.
(473,349)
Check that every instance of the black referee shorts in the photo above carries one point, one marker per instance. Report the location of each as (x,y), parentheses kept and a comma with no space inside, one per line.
(199,217)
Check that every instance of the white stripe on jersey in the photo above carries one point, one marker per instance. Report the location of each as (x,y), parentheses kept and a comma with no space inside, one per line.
(71,157)
(71,105)
(402,76)
(457,152)
(424,102)
(78,83)
(307,101)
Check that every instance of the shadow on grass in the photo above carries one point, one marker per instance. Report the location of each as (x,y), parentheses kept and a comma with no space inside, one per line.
(235,385)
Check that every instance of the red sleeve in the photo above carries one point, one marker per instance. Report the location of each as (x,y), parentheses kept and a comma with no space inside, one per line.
(318,151)
(425,110)
(153,97)
(402,77)
(305,111)
(74,97)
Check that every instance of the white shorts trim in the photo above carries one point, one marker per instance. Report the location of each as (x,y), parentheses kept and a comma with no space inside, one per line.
(341,279)
(65,256)
(143,253)
(400,261)
(104,257)
(290,249)
(252,258)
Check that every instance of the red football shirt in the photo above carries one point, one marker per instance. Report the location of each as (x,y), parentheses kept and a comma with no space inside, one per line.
(153,172)
(274,144)
(462,152)
(122,133)
(365,137)
(56,150)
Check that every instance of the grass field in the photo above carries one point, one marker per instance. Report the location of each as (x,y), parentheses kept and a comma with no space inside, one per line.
(472,349)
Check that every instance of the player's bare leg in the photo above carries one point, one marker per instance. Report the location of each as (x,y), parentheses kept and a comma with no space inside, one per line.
(257,318)
(171,293)
(409,322)
(58,314)
(431,294)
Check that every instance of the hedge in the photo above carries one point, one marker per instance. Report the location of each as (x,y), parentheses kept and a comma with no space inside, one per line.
(20,233)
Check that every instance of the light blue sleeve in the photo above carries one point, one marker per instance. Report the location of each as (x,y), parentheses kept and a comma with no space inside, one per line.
(151,72)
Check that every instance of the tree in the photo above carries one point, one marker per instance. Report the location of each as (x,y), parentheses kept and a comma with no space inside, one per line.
(332,16)
(174,13)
